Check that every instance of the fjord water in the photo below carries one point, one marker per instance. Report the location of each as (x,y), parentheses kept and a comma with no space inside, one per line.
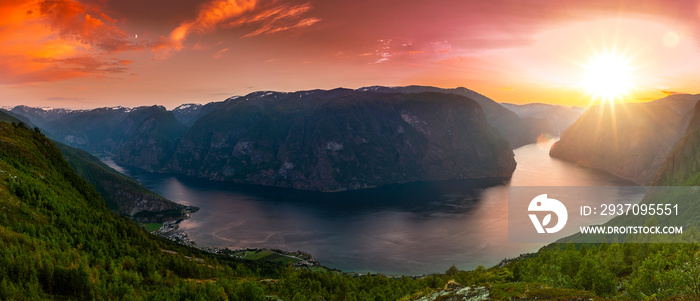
(406,229)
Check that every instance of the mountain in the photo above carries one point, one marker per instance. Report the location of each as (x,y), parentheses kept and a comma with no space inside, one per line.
(41,116)
(315,140)
(98,131)
(546,118)
(121,194)
(61,242)
(8,118)
(152,144)
(631,141)
(515,130)
(188,114)
(341,140)
(682,165)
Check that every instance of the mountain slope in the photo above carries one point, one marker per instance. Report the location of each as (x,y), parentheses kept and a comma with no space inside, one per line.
(343,139)
(152,144)
(682,165)
(515,130)
(188,114)
(121,194)
(97,131)
(632,141)
(546,118)
(61,242)
(7,118)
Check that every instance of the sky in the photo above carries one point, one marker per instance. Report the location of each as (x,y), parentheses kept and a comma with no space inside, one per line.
(97,53)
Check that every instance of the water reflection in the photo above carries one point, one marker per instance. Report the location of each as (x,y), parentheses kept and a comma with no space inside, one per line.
(401,229)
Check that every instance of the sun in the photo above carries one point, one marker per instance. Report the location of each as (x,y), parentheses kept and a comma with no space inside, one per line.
(608,76)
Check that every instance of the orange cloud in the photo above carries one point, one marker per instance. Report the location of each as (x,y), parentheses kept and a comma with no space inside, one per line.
(219,54)
(234,13)
(58,39)
(667,93)
(86,24)
(272,28)
(209,17)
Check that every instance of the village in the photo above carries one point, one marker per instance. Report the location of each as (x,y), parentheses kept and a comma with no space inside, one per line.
(298,259)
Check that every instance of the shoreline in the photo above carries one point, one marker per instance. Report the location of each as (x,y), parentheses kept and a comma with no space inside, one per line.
(301,259)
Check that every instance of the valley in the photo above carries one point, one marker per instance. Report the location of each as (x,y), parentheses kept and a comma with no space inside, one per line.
(287,150)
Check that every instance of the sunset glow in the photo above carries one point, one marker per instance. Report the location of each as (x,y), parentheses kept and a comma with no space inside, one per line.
(104,53)
(609,77)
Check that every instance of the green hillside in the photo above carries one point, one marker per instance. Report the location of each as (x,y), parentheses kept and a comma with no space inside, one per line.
(59,240)
(4,117)
(122,194)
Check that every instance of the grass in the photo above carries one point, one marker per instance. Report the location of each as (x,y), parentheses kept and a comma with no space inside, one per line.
(267,255)
(150,227)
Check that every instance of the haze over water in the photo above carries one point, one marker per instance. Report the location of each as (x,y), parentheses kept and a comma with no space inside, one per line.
(401,229)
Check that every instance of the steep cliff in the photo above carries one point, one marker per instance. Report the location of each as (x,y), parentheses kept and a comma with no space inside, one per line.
(343,139)
(630,141)
(518,132)
(152,143)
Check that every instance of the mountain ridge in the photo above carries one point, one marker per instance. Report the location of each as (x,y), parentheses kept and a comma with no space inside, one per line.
(137,136)
(273,137)
(630,141)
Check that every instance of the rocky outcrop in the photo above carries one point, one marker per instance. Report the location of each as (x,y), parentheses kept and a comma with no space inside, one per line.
(630,141)
(343,140)
(456,292)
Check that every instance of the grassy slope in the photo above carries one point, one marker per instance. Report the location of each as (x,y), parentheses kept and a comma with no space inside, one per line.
(60,240)
(117,190)
(4,117)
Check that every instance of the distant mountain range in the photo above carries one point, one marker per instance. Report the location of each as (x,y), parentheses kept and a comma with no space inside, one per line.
(546,118)
(99,131)
(317,140)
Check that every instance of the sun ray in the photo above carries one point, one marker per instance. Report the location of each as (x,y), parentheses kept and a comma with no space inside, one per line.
(608,77)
